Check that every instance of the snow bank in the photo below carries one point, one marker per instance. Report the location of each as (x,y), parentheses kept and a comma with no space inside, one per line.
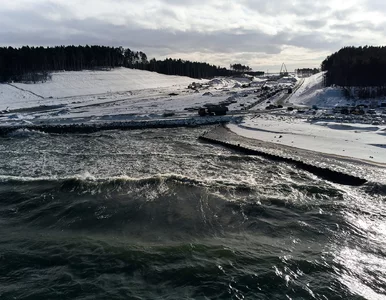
(351,140)
(225,82)
(65,84)
(258,79)
(312,92)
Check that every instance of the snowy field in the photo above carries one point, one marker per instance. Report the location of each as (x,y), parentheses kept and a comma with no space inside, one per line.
(69,84)
(124,94)
(86,87)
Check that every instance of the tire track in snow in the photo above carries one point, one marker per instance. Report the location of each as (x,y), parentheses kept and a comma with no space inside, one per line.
(287,101)
(16,87)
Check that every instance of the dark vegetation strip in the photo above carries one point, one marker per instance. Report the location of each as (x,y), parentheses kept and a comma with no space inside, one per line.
(34,64)
(361,67)
(330,175)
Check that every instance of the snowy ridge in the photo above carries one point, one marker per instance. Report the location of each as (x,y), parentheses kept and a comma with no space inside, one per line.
(312,92)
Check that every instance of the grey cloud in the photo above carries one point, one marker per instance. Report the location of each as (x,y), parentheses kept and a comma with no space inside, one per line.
(48,32)
(313,24)
(101,33)
(168,13)
(155,42)
(302,8)
(376,5)
(94,31)
(21,27)
(316,42)
(353,26)
(186,3)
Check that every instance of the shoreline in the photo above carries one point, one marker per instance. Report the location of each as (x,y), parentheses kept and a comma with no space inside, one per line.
(122,125)
(347,165)
(327,155)
(323,172)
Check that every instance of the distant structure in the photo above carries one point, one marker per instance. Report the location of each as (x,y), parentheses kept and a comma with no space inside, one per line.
(283,70)
(306,72)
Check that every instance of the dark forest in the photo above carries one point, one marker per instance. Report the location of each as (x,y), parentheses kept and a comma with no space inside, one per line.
(33,64)
(356,67)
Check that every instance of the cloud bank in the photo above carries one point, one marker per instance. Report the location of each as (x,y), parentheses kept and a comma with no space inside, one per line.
(262,34)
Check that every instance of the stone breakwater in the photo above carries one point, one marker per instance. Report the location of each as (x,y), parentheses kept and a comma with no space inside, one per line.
(124,125)
(325,173)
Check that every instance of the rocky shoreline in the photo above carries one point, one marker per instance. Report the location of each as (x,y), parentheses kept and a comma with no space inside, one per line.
(123,125)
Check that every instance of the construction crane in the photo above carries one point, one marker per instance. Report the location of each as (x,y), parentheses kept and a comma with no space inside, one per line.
(283,70)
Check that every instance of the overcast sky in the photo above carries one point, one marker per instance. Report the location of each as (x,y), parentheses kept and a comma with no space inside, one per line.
(260,33)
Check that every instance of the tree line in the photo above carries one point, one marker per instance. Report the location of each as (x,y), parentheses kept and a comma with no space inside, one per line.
(180,67)
(362,68)
(18,64)
(306,71)
(33,64)
(240,68)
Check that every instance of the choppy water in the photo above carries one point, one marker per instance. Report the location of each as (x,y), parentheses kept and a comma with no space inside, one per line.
(155,214)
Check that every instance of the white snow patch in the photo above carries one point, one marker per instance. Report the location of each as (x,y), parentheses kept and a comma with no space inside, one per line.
(312,92)
(65,84)
(359,141)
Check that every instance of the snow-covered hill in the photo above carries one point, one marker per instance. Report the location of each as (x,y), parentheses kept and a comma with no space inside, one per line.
(120,94)
(66,84)
(312,92)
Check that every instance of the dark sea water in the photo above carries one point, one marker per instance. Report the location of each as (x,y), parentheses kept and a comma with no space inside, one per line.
(156,214)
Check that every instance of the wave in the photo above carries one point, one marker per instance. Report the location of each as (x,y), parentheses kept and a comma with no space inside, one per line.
(87,179)
(188,269)
(375,188)
(24,132)
(167,204)
(285,188)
